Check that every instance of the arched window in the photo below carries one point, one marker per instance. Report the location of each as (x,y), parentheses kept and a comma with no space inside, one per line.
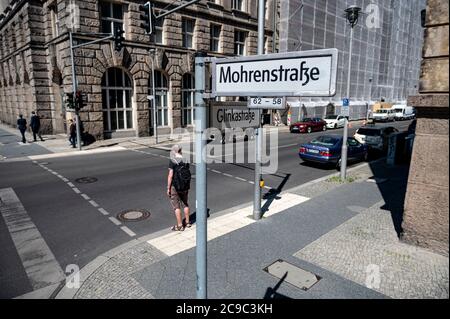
(161,100)
(116,100)
(187,104)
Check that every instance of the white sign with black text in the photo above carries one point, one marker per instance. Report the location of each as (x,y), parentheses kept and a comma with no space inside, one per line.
(225,115)
(307,73)
(269,103)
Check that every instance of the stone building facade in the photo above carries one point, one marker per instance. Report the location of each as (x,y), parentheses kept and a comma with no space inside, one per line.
(35,60)
(426,213)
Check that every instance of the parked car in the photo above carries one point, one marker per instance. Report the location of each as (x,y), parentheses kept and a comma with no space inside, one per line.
(326,149)
(403,112)
(384,115)
(309,125)
(335,121)
(375,137)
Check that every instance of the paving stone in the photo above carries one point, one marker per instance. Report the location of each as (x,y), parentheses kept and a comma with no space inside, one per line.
(368,242)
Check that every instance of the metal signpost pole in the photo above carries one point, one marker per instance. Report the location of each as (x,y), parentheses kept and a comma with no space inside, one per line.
(74,89)
(155,111)
(345,136)
(259,133)
(200,181)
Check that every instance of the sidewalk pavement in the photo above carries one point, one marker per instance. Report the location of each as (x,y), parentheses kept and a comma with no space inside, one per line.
(346,234)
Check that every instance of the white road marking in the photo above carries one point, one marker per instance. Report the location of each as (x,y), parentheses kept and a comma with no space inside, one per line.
(175,242)
(93,203)
(115,221)
(104,212)
(241,179)
(227,175)
(78,153)
(217,172)
(128,231)
(37,259)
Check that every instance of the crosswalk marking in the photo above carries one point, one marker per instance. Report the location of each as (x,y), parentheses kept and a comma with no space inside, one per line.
(176,242)
(38,261)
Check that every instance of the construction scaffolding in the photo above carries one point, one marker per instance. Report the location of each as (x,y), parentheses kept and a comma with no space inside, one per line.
(387,47)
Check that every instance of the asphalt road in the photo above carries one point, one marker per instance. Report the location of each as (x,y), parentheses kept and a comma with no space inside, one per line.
(71,216)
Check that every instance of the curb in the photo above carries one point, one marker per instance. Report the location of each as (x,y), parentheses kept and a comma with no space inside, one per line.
(63,292)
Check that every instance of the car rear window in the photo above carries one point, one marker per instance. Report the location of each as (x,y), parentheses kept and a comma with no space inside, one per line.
(331,117)
(327,141)
(368,132)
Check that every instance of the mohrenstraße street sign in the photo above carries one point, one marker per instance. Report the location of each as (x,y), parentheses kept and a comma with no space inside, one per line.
(307,73)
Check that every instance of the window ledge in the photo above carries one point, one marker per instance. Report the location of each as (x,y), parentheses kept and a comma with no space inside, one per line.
(215,6)
(240,14)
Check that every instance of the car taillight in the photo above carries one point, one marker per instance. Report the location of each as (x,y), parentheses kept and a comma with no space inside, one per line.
(302,150)
(325,153)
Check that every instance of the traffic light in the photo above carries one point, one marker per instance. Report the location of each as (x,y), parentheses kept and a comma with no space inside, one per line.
(69,101)
(147,17)
(118,39)
(79,100)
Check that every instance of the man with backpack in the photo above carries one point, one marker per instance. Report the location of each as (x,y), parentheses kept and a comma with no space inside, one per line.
(178,185)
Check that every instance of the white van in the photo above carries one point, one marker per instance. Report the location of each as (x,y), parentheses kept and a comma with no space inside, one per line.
(403,112)
(384,115)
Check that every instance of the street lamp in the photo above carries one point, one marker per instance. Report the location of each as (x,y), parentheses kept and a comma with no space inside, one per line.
(352,15)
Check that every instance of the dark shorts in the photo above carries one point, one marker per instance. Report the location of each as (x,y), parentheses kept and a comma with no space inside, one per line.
(178,199)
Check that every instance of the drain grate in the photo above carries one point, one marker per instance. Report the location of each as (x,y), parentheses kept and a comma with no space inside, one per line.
(133,215)
(86,180)
(292,274)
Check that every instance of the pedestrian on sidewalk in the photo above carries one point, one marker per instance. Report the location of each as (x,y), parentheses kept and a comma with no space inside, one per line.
(35,124)
(22,126)
(178,185)
(73,134)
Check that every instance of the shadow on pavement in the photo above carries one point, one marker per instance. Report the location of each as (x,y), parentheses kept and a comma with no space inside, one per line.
(193,217)
(392,181)
(318,166)
(273,194)
(271,293)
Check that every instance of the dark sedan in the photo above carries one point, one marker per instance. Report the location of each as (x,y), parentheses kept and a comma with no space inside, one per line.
(326,149)
(309,125)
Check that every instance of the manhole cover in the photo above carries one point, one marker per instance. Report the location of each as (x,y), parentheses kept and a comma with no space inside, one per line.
(292,274)
(86,180)
(133,215)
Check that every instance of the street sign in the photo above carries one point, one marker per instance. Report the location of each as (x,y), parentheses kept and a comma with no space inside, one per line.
(306,73)
(345,110)
(232,115)
(275,103)
(345,102)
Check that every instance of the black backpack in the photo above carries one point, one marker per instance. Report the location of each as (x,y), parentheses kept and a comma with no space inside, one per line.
(182,177)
